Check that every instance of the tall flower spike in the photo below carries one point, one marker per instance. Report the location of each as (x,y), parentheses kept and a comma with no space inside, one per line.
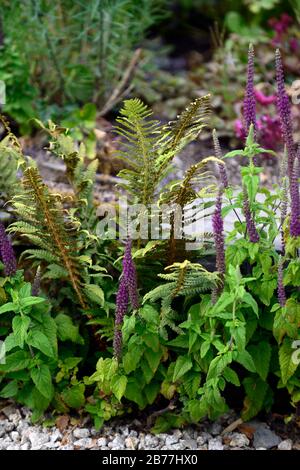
(295,204)
(280,286)
(127,291)
(7,253)
(218,153)
(251,229)
(121,310)
(249,100)
(129,273)
(218,231)
(284,111)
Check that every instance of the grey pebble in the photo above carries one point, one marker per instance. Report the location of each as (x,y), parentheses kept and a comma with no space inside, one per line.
(264,437)
(85,442)
(215,444)
(101,442)
(81,433)
(287,444)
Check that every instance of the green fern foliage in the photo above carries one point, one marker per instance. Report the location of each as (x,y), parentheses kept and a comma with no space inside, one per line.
(45,224)
(183,280)
(149,147)
(10,156)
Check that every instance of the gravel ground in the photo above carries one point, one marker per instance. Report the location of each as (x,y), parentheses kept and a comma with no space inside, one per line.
(17,433)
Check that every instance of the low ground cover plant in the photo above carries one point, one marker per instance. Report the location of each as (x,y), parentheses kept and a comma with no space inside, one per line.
(107,325)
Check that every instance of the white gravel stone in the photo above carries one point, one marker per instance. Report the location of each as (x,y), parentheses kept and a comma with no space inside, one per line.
(85,442)
(215,444)
(102,442)
(117,443)
(81,433)
(203,438)
(171,440)
(37,439)
(239,440)
(25,446)
(5,442)
(15,436)
(189,444)
(56,435)
(17,432)
(13,447)
(287,444)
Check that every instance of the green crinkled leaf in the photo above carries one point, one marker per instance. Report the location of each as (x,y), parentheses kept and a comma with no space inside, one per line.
(231,376)
(151,391)
(10,390)
(153,358)
(256,390)
(132,358)
(66,330)
(74,396)
(287,365)
(118,385)
(20,326)
(261,355)
(218,364)
(244,358)
(39,340)
(182,366)
(41,377)
(16,361)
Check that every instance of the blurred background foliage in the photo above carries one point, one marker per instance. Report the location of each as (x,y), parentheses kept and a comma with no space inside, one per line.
(74,61)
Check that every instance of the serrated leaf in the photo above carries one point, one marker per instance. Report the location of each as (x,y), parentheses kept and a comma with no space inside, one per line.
(74,396)
(20,326)
(66,330)
(287,365)
(39,340)
(244,358)
(182,366)
(10,390)
(118,386)
(261,355)
(256,390)
(41,378)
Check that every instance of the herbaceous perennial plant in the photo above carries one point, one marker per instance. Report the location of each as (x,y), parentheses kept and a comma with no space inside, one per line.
(109,329)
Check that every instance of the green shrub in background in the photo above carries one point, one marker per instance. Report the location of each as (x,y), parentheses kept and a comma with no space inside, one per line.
(57,56)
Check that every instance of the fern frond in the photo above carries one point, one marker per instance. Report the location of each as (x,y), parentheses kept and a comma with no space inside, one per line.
(189,123)
(183,279)
(140,134)
(49,230)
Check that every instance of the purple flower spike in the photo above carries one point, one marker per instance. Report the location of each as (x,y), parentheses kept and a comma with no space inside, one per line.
(295,205)
(280,286)
(251,229)
(284,111)
(218,153)
(249,100)
(129,273)
(127,291)
(7,253)
(121,310)
(218,228)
